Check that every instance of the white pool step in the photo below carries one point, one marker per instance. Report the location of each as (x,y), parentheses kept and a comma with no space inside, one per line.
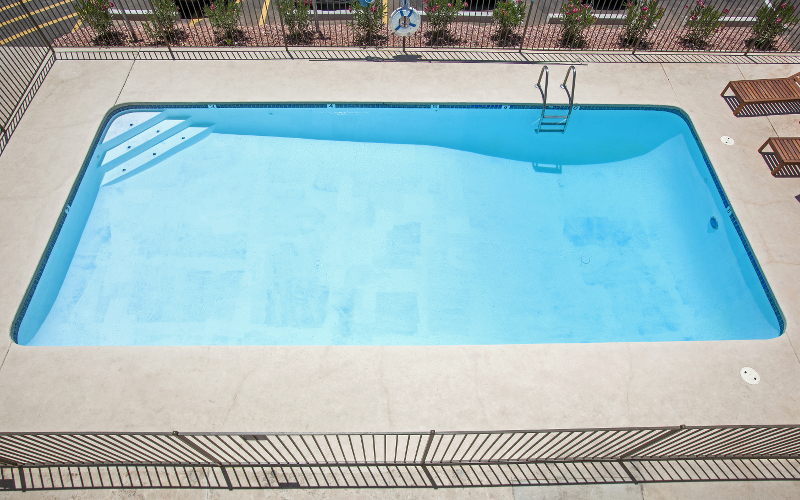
(128,122)
(156,153)
(149,137)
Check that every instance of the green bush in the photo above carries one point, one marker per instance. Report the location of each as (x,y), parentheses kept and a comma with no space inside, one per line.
(576,18)
(772,22)
(704,20)
(442,13)
(639,19)
(296,15)
(508,15)
(96,14)
(224,19)
(368,21)
(160,25)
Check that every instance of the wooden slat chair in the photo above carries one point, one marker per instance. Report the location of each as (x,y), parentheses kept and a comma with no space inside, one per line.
(768,91)
(786,149)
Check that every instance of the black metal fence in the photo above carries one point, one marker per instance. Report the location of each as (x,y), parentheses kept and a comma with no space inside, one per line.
(396,460)
(331,23)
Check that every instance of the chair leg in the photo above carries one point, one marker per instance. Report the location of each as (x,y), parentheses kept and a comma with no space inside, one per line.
(762,147)
(739,108)
(726,89)
(778,169)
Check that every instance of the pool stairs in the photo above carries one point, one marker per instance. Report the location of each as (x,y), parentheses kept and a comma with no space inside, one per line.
(554,123)
(126,153)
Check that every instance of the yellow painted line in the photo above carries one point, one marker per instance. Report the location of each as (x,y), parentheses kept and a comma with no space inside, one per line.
(195,21)
(31,30)
(385,13)
(264,9)
(12,5)
(77,25)
(34,12)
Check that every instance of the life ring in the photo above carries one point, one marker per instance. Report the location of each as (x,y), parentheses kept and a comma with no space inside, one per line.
(365,3)
(404,21)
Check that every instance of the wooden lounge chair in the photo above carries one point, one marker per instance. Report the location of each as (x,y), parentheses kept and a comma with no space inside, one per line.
(769,91)
(786,149)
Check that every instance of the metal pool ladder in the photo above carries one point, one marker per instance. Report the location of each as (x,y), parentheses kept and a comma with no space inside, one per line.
(555,123)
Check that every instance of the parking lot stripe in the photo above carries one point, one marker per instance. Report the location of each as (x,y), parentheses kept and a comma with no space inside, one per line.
(31,30)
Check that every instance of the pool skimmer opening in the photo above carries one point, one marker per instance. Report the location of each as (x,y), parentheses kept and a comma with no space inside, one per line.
(749,375)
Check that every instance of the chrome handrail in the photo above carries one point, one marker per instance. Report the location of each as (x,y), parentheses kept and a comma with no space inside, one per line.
(546,72)
(571,95)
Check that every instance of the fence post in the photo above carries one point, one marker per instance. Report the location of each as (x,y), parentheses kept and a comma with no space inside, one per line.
(190,444)
(283,28)
(38,29)
(525,29)
(427,447)
(125,17)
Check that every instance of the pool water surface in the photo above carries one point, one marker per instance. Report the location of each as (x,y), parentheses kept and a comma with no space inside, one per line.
(395,225)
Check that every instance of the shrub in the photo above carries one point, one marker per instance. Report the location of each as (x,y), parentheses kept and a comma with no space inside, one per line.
(97,14)
(704,21)
(368,21)
(772,22)
(224,19)
(160,25)
(639,19)
(508,15)
(442,13)
(296,16)
(576,17)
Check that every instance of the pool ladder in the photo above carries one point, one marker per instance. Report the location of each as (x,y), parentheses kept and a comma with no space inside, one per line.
(555,123)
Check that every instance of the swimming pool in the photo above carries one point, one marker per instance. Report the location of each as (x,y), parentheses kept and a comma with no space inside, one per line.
(394,224)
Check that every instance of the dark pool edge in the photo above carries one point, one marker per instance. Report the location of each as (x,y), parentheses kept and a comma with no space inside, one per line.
(127,107)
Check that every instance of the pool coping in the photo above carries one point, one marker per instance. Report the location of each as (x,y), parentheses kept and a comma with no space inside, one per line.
(122,109)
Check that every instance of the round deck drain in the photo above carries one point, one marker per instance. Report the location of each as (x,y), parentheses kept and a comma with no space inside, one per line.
(726,140)
(749,375)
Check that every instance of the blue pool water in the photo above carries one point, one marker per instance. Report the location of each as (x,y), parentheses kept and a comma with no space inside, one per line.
(395,226)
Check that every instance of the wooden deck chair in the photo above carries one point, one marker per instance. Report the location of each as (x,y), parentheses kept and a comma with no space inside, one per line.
(768,91)
(786,149)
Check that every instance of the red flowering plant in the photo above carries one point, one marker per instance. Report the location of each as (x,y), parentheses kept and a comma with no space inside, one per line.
(772,22)
(703,20)
(368,21)
(296,16)
(160,25)
(508,15)
(97,14)
(441,14)
(640,17)
(224,18)
(576,18)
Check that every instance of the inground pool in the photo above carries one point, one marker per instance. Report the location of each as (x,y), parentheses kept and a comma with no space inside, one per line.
(394,224)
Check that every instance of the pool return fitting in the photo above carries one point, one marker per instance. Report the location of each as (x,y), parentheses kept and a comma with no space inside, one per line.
(555,123)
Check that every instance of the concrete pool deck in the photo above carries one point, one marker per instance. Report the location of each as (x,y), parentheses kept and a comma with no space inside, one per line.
(318,388)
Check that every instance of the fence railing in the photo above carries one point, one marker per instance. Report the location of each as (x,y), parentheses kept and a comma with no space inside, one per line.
(406,459)
(331,23)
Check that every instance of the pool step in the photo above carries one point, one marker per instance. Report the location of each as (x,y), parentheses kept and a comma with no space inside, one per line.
(128,125)
(142,141)
(156,153)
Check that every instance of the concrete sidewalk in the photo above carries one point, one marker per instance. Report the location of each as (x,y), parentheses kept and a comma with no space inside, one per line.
(319,388)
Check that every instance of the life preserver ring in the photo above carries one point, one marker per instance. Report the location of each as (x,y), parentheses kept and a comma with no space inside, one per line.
(404,21)
(365,3)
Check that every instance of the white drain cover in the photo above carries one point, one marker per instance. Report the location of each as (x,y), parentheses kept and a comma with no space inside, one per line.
(749,375)
(726,140)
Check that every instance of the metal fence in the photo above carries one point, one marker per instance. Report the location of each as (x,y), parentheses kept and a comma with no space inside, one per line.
(396,460)
(331,23)
(24,63)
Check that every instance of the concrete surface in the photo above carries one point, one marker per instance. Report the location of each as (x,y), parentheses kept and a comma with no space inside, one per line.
(223,388)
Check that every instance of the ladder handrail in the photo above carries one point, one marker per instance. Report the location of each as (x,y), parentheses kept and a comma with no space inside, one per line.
(570,95)
(546,72)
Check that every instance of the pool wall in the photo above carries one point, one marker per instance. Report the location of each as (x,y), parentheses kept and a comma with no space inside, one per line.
(74,215)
